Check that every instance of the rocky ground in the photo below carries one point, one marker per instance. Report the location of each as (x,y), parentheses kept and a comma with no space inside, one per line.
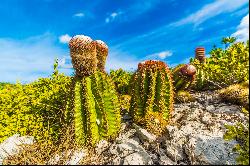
(195,136)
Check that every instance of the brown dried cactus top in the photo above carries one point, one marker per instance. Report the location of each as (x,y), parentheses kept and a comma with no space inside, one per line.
(100,45)
(80,43)
(153,65)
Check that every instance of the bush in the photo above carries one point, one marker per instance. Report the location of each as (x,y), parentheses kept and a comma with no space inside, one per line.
(33,109)
(240,133)
(121,78)
(223,67)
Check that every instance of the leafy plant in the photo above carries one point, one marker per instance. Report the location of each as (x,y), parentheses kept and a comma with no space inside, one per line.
(152,95)
(121,79)
(34,109)
(223,67)
(240,133)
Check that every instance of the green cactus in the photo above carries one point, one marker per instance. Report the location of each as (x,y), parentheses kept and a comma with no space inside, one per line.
(92,102)
(183,76)
(152,98)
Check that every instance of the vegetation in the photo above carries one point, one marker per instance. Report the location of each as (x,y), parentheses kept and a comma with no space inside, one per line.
(92,96)
(33,109)
(240,133)
(122,80)
(237,94)
(183,76)
(152,95)
(223,67)
(183,96)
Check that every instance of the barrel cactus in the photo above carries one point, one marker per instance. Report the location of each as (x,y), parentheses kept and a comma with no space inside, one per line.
(152,98)
(183,76)
(200,54)
(92,102)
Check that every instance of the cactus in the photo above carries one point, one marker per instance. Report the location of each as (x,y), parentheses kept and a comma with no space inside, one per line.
(102,53)
(200,54)
(92,102)
(152,98)
(183,76)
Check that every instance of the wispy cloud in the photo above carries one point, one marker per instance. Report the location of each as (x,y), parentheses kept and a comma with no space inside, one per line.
(113,16)
(242,33)
(161,55)
(28,59)
(64,38)
(79,14)
(211,10)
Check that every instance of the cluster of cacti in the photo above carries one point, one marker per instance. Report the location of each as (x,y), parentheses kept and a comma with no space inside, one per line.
(153,96)
(237,94)
(92,97)
(183,76)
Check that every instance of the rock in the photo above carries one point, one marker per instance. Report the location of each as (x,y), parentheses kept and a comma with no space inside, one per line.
(12,145)
(138,158)
(210,108)
(77,156)
(130,152)
(164,160)
(228,109)
(143,134)
(174,150)
(210,149)
(101,146)
(126,117)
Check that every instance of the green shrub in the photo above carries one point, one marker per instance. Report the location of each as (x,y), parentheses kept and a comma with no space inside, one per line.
(223,67)
(33,109)
(121,78)
(240,133)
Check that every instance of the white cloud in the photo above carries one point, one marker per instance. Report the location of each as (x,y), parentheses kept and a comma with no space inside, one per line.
(79,15)
(161,55)
(64,38)
(28,59)
(242,33)
(113,16)
(211,10)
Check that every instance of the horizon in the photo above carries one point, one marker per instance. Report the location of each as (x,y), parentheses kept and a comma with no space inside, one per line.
(36,32)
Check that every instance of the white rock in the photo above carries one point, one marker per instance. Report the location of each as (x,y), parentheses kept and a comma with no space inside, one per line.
(77,156)
(210,149)
(101,146)
(164,160)
(210,108)
(11,146)
(138,158)
(143,134)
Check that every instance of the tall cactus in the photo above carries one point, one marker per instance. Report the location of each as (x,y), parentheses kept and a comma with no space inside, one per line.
(93,102)
(183,76)
(152,98)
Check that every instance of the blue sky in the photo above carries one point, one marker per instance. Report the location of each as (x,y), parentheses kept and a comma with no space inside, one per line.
(35,32)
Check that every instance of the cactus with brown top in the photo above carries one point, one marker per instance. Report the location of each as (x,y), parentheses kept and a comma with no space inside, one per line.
(102,53)
(152,95)
(92,103)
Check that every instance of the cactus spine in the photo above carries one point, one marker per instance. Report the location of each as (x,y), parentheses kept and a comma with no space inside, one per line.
(183,75)
(152,98)
(92,101)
